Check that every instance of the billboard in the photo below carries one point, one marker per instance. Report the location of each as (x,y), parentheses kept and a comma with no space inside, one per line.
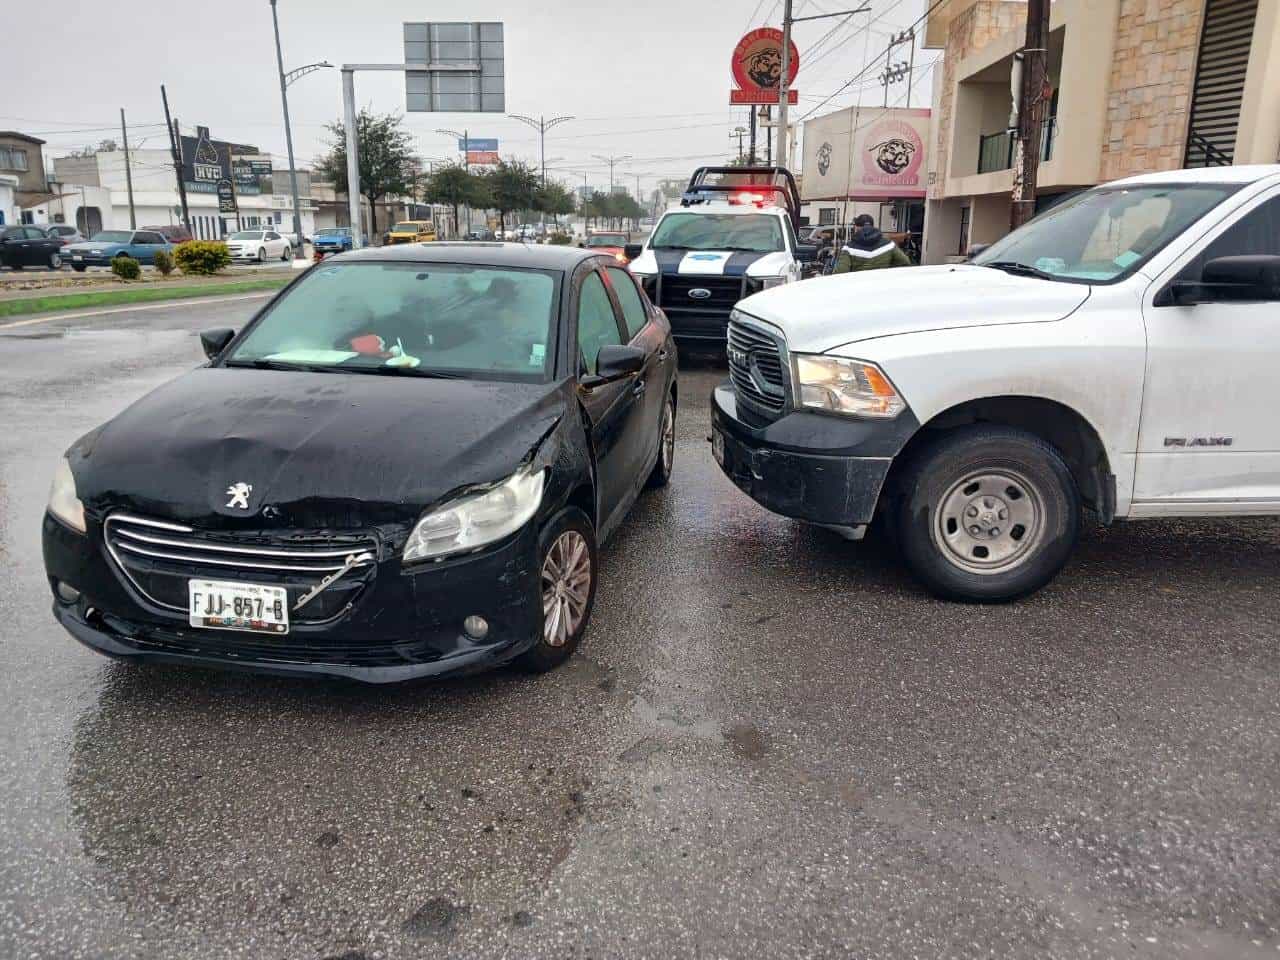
(482,157)
(867,153)
(454,68)
(489,144)
(756,66)
(207,162)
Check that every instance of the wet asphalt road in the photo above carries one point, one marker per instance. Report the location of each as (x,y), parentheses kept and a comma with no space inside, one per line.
(771,743)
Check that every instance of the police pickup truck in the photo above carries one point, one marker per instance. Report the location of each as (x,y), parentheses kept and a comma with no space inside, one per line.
(1117,353)
(733,235)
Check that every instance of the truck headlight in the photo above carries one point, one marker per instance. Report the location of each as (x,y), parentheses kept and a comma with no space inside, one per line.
(478,518)
(63,502)
(852,387)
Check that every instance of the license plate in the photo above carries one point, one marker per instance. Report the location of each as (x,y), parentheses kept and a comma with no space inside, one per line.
(76,256)
(252,607)
(717,446)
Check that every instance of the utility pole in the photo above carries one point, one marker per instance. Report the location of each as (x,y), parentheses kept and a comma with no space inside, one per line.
(288,136)
(128,172)
(752,154)
(768,141)
(1031,98)
(175,146)
(740,132)
(783,133)
(611,160)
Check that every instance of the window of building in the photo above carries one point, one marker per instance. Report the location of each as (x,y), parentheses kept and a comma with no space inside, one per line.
(826,216)
(11,158)
(28,217)
(964,231)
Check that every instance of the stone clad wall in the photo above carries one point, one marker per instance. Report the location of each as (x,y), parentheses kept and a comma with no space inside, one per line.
(1150,91)
(969,32)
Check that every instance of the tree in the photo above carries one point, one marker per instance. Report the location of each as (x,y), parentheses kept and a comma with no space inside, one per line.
(512,185)
(386,156)
(456,186)
(554,198)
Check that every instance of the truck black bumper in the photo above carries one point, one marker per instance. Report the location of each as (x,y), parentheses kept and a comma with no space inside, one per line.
(811,466)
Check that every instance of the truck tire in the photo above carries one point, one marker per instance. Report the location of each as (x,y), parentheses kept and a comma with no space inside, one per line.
(987,513)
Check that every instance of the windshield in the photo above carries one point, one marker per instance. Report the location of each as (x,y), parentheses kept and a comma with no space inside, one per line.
(755,233)
(246,235)
(113,236)
(441,319)
(331,232)
(410,227)
(1104,235)
(607,240)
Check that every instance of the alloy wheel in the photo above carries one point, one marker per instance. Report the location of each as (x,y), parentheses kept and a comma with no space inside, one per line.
(566,587)
(989,521)
(668,436)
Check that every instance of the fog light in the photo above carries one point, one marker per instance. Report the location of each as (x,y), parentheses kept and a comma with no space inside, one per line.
(67,593)
(477,628)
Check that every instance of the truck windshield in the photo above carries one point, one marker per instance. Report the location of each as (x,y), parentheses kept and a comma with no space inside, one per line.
(754,233)
(1103,235)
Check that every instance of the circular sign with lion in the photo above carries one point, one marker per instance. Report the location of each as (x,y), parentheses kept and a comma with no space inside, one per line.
(757,60)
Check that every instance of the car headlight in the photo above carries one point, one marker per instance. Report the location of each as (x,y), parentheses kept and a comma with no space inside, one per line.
(852,387)
(767,282)
(477,518)
(63,502)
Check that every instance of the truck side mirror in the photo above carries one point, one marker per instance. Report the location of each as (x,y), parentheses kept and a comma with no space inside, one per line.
(1253,278)
(632,250)
(806,252)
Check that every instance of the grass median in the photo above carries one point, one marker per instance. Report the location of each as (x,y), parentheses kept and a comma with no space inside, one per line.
(143,294)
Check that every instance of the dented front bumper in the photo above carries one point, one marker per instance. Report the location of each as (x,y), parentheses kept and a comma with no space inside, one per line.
(406,622)
(811,466)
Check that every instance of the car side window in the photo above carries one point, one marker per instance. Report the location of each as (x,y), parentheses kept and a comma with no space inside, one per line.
(1257,232)
(597,323)
(34,233)
(273,236)
(633,312)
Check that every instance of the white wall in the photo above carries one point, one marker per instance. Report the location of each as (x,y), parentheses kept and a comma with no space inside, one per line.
(8,203)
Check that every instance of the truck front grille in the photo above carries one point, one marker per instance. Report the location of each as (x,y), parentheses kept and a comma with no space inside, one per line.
(757,367)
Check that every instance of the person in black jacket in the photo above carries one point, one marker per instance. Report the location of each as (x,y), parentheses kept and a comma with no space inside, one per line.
(869,249)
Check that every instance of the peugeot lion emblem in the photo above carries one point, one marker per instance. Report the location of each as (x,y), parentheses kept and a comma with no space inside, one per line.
(239,494)
(700,293)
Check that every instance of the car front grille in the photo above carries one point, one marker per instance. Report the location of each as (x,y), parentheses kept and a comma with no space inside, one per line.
(159,557)
(757,367)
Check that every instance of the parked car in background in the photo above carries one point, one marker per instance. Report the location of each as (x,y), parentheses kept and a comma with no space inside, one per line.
(612,243)
(331,240)
(64,233)
(173,232)
(411,231)
(27,246)
(259,245)
(482,233)
(415,492)
(106,245)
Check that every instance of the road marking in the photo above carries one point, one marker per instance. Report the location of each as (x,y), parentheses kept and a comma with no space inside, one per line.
(136,308)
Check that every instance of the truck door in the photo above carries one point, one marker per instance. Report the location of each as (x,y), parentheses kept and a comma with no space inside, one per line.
(1210,435)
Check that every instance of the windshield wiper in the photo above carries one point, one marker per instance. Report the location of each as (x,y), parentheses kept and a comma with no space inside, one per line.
(261,363)
(1019,269)
(670,246)
(407,372)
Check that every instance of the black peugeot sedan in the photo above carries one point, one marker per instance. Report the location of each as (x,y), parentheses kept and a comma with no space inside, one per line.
(402,466)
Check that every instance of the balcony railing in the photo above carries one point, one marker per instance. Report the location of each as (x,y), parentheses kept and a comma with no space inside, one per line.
(995,150)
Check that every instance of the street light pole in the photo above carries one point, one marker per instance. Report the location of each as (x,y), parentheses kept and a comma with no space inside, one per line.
(611,160)
(542,125)
(288,135)
(465,137)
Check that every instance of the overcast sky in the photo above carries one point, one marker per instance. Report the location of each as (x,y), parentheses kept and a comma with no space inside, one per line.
(649,79)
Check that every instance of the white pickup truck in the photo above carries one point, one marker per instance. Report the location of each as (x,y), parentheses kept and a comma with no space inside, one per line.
(1121,352)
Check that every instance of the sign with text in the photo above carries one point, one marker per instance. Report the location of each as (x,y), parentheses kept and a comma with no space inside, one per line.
(454,68)
(226,197)
(482,157)
(471,143)
(766,97)
(207,162)
(867,153)
(757,62)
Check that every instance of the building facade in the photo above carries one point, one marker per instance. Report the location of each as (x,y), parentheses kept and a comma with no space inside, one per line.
(22,184)
(1137,86)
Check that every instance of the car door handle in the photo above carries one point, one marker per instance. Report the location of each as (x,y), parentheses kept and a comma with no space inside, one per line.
(638,389)
(662,356)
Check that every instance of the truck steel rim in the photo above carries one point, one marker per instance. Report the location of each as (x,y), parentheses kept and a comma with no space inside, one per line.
(566,585)
(668,437)
(989,522)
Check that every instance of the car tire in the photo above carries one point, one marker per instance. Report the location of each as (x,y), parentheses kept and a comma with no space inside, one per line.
(262,255)
(55,261)
(567,540)
(286,255)
(954,498)
(79,267)
(661,473)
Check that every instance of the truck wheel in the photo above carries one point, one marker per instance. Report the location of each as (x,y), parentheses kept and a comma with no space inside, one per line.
(567,563)
(987,513)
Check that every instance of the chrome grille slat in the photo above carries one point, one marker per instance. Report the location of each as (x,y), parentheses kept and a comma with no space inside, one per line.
(221,562)
(218,548)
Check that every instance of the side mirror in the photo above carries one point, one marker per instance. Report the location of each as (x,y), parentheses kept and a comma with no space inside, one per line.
(615,361)
(215,341)
(975,249)
(1244,279)
(632,250)
(806,252)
